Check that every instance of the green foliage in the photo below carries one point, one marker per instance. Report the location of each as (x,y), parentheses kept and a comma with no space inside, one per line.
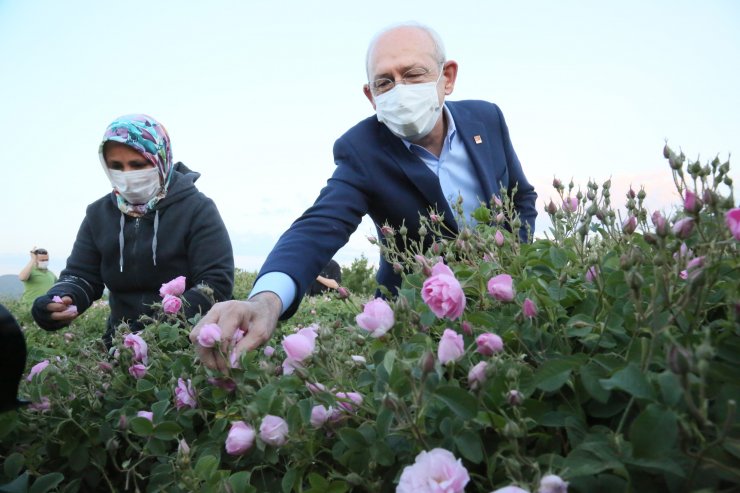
(623,381)
(359,277)
(243,282)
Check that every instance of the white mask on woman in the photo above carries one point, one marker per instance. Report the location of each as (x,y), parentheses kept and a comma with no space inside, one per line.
(137,187)
(410,111)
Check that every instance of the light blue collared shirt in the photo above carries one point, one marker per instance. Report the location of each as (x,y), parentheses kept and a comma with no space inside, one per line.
(457,176)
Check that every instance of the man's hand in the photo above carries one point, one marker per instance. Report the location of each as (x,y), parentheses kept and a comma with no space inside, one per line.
(61,312)
(257,316)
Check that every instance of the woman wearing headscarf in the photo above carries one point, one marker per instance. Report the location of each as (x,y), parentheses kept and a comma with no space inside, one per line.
(153,227)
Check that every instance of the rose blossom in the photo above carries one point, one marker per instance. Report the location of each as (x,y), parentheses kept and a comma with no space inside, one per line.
(499,238)
(592,274)
(173,288)
(349,400)
(184,394)
(434,472)
(529,309)
(171,304)
(137,371)
(42,405)
(683,227)
(268,351)
(240,438)
(36,369)
(510,489)
(315,388)
(209,335)
(146,415)
(376,317)
(501,287)
(298,347)
(274,430)
(450,347)
(224,383)
(570,204)
(442,293)
(489,344)
(629,225)
(692,268)
(477,375)
(319,415)
(691,203)
(358,359)
(139,346)
(553,484)
(732,219)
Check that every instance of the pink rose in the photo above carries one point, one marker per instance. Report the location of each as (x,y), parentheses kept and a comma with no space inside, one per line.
(44,404)
(683,227)
(467,328)
(691,203)
(514,398)
(629,225)
(185,394)
(693,268)
(171,304)
(570,204)
(137,371)
(376,317)
(489,344)
(139,346)
(477,375)
(173,288)
(274,430)
(510,489)
(224,383)
(450,347)
(319,415)
(298,346)
(146,415)
(290,365)
(268,351)
(57,299)
(435,471)
(358,359)
(36,369)
(732,218)
(660,224)
(315,388)
(553,484)
(592,274)
(349,401)
(501,287)
(240,438)
(209,335)
(499,238)
(105,366)
(529,309)
(443,294)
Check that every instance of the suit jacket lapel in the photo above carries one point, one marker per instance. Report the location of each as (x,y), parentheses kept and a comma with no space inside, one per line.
(467,131)
(419,174)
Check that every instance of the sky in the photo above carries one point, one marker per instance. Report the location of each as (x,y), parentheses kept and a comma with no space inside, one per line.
(254,94)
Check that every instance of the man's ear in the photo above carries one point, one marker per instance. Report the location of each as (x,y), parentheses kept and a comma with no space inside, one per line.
(368,94)
(450,73)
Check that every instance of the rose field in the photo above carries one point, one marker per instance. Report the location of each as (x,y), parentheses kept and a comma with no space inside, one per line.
(602,357)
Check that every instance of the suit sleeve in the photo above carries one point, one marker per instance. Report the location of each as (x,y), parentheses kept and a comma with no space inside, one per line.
(211,260)
(313,239)
(525,196)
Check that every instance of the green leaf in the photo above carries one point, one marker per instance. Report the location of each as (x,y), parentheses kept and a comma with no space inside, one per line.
(289,479)
(460,401)
(554,373)
(353,439)
(18,485)
(388,360)
(206,466)
(144,385)
(590,375)
(470,446)
(240,480)
(167,430)
(558,257)
(653,432)
(141,426)
(318,482)
(670,388)
(13,464)
(631,380)
(46,482)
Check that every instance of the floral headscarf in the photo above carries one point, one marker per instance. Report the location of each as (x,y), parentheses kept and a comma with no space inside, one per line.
(147,136)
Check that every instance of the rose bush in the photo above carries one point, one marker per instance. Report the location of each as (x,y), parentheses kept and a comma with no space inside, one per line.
(619,374)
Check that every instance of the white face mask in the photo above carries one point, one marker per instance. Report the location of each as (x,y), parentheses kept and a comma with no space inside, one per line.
(137,187)
(410,111)
(43,264)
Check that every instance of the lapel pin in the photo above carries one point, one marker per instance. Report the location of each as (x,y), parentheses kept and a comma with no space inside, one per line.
(477,139)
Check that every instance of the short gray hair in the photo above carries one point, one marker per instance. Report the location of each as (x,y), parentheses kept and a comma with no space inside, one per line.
(439,47)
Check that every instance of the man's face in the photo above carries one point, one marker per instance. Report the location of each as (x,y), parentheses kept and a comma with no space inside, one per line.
(42,260)
(401,50)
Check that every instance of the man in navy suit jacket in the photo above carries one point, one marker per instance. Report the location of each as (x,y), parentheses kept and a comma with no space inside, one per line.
(415,155)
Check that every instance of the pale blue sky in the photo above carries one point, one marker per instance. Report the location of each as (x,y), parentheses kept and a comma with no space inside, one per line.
(254,94)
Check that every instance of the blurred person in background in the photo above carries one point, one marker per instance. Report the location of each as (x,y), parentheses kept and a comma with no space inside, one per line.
(36,276)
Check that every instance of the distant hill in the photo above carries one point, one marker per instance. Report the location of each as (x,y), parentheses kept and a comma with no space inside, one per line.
(10,287)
